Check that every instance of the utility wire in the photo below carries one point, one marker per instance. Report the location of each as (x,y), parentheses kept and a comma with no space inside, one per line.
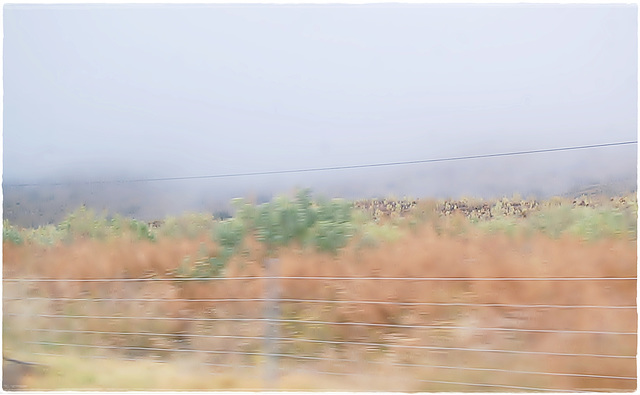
(329,278)
(318,169)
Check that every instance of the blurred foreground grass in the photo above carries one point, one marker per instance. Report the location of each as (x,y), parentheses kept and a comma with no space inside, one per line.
(77,373)
(70,372)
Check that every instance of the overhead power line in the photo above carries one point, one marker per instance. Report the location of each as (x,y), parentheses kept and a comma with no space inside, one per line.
(329,168)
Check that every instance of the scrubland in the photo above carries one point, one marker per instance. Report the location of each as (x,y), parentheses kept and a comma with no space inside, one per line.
(439,311)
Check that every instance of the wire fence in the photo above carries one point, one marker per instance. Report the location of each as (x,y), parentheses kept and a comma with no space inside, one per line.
(427,345)
(418,333)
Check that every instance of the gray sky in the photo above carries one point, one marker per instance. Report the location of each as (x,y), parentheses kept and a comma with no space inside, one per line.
(169,90)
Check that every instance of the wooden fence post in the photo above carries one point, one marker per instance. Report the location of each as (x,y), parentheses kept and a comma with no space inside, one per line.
(272,314)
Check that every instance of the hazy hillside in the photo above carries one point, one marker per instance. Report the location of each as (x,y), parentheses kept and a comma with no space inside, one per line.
(37,205)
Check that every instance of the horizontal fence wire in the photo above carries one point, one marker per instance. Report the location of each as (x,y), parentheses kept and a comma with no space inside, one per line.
(182,347)
(259,319)
(335,342)
(374,302)
(397,364)
(132,359)
(111,280)
(300,357)
(364,344)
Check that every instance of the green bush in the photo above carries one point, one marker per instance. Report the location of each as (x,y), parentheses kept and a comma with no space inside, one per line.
(555,220)
(373,233)
(591,224)
(501,224)
(44,235)
(229,233)
(10,234)
(141,230)
(331,236)
(204,266)
(84,222)
(324,224)
(190,225)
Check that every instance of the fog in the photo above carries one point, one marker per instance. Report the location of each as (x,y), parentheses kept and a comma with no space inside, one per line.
(120,92)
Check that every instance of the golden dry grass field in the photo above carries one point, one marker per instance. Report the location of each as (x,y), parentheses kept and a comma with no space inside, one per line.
(450,303)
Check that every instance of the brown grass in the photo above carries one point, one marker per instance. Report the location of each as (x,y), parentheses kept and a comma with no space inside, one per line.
(419,253)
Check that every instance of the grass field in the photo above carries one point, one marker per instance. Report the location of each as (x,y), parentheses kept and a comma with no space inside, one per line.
(173,331)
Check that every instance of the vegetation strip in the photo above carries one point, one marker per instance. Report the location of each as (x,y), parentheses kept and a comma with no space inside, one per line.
(449,382)
(344,323)
(328,301)
(278,338)
(359,280)
(118,358)
(306,357)
(369,362)
(328,278)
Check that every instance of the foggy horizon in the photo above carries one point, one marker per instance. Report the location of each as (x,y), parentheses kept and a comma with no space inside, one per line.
(121,92)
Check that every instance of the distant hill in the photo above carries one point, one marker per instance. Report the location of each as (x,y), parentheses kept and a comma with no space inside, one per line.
(35,206)
(611,188)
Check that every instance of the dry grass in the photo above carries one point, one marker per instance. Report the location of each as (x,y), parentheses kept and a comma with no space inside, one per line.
(421,252)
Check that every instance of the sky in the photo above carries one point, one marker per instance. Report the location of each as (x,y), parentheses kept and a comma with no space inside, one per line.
(108,91)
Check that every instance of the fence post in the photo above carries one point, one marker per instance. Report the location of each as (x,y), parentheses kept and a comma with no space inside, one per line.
(272,313)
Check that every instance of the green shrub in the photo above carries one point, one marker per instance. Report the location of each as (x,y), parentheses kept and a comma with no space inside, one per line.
(330,236)
(83,222)
(229,233)
(591,224)
(204,266)
(373,233)
(554,220)
(190,225)
(10,234)
(141,230)
(325,224)
(44,235)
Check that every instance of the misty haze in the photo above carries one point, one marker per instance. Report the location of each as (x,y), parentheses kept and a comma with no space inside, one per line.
(121,92)
(383,197)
